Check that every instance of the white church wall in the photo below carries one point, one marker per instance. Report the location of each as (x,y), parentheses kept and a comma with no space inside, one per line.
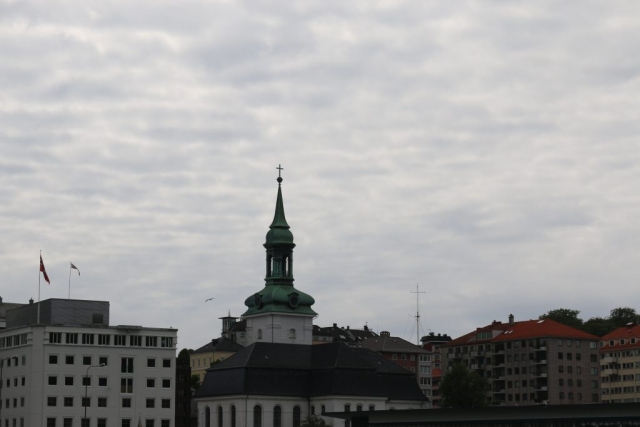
(280,328)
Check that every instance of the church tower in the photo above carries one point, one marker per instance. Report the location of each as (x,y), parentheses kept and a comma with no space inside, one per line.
(279,313)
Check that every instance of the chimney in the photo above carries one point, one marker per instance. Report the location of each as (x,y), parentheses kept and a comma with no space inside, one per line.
(31,301)
(335,325)
(385,334)
(366,328)
(511,319)
(347,327)
(0,300)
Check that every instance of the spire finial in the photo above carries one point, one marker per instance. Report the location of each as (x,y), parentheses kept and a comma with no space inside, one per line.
(280,169)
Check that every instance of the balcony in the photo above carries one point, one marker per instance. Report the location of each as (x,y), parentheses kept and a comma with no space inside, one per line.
(477,353)
(608,360)
(540,374)
(540,362)
(541,388)
(607,372)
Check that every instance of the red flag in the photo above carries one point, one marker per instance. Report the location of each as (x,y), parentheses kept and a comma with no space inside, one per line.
(44,272)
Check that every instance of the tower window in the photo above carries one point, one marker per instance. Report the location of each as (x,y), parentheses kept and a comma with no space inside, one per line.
(292,334)
(259,334)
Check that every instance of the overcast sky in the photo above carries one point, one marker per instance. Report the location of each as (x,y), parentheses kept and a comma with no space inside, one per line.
(488,151)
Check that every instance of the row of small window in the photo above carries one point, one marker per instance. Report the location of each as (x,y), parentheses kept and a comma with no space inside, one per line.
(618,378)
(23,381)
(561,396)
(15,403)
(622,341)
(126,384)
(68,402)
(625,353)
(13,341)
(621,366)
(621,390)
(569,370)
(71,359)
(126,362)
(105,339)
(101,422)
(277,415)
(508,345)
(15,361)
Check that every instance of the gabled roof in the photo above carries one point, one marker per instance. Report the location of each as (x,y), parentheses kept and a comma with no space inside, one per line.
(219,344)
(541,329)
(526,329)
(309,370)
(625,332)
(391,345)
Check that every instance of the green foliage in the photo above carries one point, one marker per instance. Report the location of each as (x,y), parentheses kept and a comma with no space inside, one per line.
(314,421)
(599,326)
(462,388)
(195,381)
(622,316)
(183,357)
(565,316)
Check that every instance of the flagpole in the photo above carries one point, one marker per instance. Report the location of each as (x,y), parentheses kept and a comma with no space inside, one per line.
(69,280)
(38,321)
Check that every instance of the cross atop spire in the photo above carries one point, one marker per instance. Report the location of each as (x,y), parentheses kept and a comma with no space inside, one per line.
(280,169)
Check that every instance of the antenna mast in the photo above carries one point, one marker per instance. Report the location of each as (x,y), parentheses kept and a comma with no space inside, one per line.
(417,292)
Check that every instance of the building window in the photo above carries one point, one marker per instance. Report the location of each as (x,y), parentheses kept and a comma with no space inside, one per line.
(135,341)
(151,403)
(149,423)
(68,402)
(292,334)
(151,362)
(359,408)
(71,338)
(102,382)
(55,337)
(126,385)
(53,359)
(151,341)
(86,381)
(151,382)
(322,409)
(394,357)
(51,401)
(68,381)
(257,416)
(166,383)
(165,423)
(233,416)
(120,340)
(126,366)
(51,422)
(372,408)
(67,422)
(86,402)
(296,416)
(126,402)
(69,360)
(166,403)
(207,417)
(220,419)
(125,423)
(347,408)
(166,342)
(102,402)
(102,422)
(104,339)
(86,360)
(403,357)
(259,334)
(52,380)
(87,339)
(166,363)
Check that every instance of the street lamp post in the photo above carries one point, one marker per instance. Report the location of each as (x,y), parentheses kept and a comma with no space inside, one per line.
(1,385)
(86,389)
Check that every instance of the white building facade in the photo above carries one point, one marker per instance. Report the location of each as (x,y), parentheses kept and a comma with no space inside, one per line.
(126,372)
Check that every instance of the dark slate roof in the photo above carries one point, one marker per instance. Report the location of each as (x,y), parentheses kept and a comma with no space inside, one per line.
(219,344)
(6,306)
(390,344)
(342,334)
(309,370)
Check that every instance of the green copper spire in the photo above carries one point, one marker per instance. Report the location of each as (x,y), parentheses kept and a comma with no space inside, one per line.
(279,295)
(279,229)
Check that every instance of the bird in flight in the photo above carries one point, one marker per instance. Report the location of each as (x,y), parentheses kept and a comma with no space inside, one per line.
(209,299)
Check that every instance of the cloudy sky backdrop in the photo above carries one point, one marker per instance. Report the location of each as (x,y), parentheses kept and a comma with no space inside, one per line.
(488,151)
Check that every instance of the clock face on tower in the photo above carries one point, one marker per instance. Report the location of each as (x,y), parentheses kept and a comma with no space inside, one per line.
(257,300)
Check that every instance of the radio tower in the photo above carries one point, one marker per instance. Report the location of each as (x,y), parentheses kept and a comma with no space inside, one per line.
(417,292)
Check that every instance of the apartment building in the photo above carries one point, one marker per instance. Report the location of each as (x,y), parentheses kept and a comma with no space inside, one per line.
(72,362)
(432,344)
(620,365)
(531,362)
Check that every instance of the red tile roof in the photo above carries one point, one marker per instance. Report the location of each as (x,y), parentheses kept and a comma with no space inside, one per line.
(625,332)
(523,330)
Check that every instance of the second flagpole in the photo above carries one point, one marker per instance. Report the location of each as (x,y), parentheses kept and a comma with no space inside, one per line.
(69,280)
